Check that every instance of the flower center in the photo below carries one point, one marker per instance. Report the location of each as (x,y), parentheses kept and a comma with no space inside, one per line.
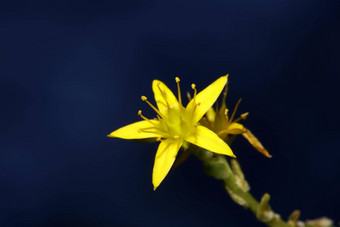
(177,122)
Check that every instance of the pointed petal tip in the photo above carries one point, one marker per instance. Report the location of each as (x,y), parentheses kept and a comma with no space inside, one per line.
(225,77)
(230,154)
(206,98)
(111,135)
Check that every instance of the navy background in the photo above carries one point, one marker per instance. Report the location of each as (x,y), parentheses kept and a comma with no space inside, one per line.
(72,72)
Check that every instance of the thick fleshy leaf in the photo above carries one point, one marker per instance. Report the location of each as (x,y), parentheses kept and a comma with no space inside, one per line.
(207,139)
(165,157)
(206,98)
(163,96)
(137,130)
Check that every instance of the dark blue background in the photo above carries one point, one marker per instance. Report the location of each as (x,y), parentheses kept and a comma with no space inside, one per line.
(72,72)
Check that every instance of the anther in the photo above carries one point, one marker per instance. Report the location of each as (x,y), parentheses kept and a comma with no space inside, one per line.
(152,106)
(242,117)
(176,136)
(144,118)
(193,86)
(141,115)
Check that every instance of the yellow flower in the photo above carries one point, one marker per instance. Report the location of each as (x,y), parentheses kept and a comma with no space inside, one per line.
(219,122)
(176,126)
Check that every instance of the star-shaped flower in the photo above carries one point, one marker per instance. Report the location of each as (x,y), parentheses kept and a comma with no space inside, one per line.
(176,126)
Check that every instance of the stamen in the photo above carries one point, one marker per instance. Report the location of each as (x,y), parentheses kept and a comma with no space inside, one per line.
(152,106)
(176,136)
(242,117)
(179,91)
(193,86)
(141,115)
(234,111)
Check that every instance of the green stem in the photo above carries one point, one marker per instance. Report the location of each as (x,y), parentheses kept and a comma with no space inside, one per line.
(218,167)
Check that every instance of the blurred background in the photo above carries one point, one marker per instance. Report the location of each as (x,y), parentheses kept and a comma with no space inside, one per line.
(73,71)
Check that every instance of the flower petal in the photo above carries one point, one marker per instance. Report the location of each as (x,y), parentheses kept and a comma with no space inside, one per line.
(236,128)
(256,143)
(165,157)
(163,96)
(137,130)
(207,139)
(206,98)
